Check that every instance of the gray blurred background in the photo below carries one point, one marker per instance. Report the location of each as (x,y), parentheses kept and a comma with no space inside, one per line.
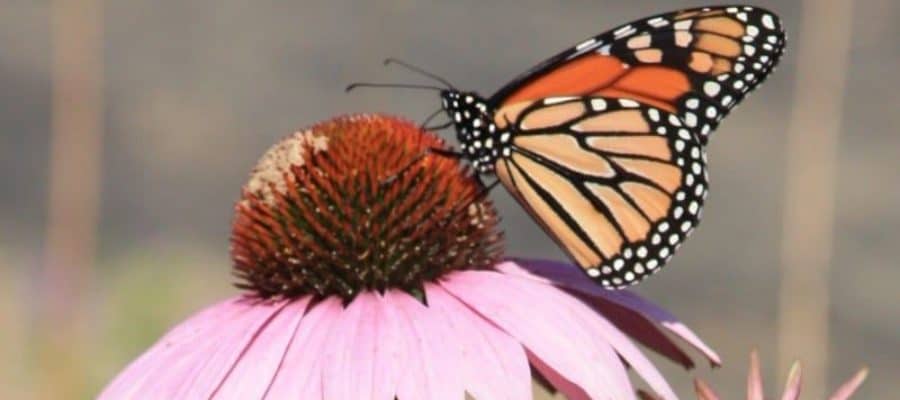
(191,93)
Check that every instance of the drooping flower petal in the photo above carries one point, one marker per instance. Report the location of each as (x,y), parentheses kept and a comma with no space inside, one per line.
(431,363)
(131,377)
(640,329)
(794,381)
(300,375)
(490,354)
(704,392)
(792,387)
(550,325)
(251,377)
(625,348)
(849,388)
(569,277)
(348,363)
(209,373)
(561,383)
(192,361)
(468,337)
(754,379)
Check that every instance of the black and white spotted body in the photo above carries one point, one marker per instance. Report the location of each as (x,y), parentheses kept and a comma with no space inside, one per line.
(481,142)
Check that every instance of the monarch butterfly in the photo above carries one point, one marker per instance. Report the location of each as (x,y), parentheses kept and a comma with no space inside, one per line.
(604,143)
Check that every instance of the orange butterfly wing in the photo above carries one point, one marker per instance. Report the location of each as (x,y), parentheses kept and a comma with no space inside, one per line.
(617,183)
(696,63)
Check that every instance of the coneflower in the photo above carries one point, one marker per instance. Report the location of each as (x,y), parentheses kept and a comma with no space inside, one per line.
(372,270)
(791,387)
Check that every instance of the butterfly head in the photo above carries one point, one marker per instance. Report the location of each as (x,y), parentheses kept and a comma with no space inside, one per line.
(475,129)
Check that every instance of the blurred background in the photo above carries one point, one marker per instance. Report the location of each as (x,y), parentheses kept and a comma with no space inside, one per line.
(128,127)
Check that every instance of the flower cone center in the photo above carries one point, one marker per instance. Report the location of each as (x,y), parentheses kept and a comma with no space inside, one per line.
(357,203)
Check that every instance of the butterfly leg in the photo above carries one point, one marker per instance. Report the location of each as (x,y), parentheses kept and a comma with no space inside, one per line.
(485,189)
(436,127)
(449,153)
(478,196)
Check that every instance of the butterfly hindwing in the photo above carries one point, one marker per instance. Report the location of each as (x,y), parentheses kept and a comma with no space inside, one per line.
(698,63)
(604,143)
(617,183)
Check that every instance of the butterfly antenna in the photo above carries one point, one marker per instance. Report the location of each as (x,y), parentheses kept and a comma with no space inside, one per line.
(429,118)
(389,85)
(438,127)
(420,71)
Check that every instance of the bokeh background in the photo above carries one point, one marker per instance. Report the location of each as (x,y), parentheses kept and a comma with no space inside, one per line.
(127,128)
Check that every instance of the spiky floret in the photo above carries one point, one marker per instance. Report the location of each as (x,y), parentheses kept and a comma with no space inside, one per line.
(352,204)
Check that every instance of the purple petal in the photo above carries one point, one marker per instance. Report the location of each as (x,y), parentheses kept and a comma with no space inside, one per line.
(849,388)
(571,277)
(432,360)
(490,355)
(300,374)
(195,356)
(256,369)
(550,324)
(754,379)
(794,380)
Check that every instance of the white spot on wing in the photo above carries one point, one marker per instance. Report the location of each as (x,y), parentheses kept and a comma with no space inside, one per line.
(555,100)
(711,88)
(658,22)
(683,25)
(768,21)
(585,44)
(752,30)
(624,31)
(628,103)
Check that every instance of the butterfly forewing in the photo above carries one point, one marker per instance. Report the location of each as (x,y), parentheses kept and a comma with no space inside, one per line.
(696,63)
(604,143)
(617,183)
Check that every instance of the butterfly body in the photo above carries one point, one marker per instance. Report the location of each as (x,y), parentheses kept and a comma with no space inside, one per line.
(480,140)
(604,143)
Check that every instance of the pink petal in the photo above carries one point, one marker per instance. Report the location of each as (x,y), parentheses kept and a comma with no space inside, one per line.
(390,352)
(362,359)
(754,379)
(124,384)
(611,334)
(490,355)
(632,355)
(570,277)
(641,329)
(256,369)
(792,387)
(557,380)
(433,362)
(223,351)
(704,392)
(300,374)
(549,324)
(849,388)
(196,355)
